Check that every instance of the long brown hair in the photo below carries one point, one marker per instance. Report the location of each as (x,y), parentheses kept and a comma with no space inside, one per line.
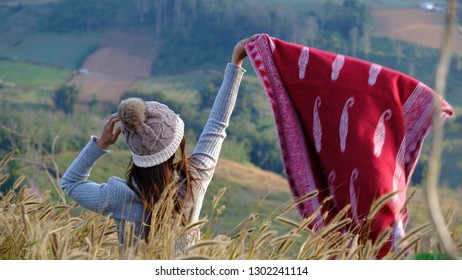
(153,181)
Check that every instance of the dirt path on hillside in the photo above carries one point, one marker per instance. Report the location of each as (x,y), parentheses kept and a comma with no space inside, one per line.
(120,62)
(414,25)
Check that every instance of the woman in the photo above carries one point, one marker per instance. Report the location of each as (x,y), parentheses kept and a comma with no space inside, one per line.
(154,134)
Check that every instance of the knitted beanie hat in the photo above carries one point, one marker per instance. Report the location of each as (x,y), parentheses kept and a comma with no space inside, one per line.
(152,131)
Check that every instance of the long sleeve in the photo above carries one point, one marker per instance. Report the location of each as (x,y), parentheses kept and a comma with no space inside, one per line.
(207,150)
(75,182)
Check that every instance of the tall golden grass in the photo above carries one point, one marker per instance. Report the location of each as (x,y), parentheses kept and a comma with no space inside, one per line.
(38,227)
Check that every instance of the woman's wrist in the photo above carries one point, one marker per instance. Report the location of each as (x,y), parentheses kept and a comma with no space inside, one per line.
(99,144)
(236,61)
(239,52)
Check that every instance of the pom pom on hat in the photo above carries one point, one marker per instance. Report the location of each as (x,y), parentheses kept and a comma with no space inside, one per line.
(132,112)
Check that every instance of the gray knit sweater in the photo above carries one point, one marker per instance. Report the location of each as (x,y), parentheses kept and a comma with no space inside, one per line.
(117,200)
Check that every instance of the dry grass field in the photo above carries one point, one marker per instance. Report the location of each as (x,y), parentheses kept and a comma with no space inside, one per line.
(413,25)
(39,227)
(35,228)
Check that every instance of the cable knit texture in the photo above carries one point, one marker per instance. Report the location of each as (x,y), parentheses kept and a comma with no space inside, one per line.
(116,199)
(152,131)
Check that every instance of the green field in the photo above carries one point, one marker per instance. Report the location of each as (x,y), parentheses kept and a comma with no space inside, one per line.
(62,50)
(173,85)
(25,74)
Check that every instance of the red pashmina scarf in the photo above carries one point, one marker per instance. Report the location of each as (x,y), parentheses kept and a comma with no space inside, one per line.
(347,128)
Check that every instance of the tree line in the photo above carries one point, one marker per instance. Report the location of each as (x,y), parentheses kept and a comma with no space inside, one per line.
(201,32)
